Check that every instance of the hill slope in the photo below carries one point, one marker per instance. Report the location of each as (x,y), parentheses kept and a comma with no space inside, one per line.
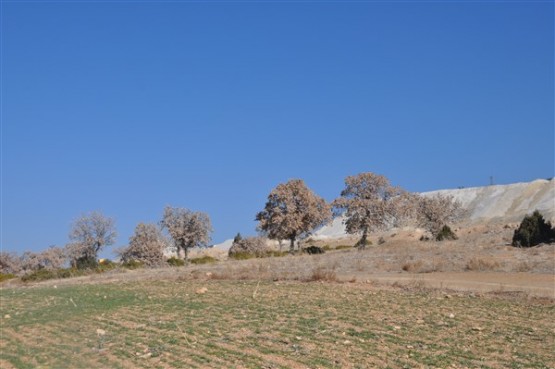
(505,203)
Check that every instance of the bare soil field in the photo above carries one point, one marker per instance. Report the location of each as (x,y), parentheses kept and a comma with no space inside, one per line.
(401,303)
(251,324)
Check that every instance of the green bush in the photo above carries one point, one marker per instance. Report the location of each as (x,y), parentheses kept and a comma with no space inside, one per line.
(532,231)
(176,262)
(204,260)
(446,234)
(86,262)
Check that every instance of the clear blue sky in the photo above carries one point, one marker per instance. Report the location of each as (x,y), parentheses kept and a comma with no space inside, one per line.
(126,107)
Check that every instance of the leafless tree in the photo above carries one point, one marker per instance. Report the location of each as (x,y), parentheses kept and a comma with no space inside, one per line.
(292,211)
(188,229)
(90,233)
(146,245)
(436,211)
(10,263)
(369,202)
(50,259)
(257,246)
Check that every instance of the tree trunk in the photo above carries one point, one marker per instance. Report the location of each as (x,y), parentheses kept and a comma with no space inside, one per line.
(292,245)
(361,244)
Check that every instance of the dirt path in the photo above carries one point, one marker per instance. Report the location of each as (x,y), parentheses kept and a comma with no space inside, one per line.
(535,284)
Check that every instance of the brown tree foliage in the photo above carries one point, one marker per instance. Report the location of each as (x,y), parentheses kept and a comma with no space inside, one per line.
(257,246)
(369,202)
(90,233)
(50,259)
(187,229)
(146,245)
(436,211)
(10,263)
(292,211)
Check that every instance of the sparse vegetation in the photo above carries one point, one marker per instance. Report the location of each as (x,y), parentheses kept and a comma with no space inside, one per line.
(446,234)
(175,262)
(252,324)
(203,260)
(532,231)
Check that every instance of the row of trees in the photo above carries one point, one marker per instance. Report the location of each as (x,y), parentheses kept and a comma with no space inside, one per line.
(92,232)
(368,202)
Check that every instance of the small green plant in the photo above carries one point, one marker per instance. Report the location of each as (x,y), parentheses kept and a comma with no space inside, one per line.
(532,231)
(204,260)
(326,247)
(446,234)
(175,262)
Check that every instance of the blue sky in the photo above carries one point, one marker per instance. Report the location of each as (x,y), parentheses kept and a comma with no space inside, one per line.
(126,107)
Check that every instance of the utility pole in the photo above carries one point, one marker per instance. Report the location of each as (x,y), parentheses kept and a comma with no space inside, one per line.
(491,180)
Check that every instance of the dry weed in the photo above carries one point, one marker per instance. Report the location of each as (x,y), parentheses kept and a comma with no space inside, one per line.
(482,264)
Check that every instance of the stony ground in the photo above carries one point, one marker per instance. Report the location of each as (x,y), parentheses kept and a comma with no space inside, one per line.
(251,324)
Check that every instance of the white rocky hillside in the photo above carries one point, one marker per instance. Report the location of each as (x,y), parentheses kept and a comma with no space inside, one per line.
(505,203)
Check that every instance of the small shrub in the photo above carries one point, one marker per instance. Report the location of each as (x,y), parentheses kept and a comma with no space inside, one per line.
(86,262)
(241,256)
(132,264)
(446,234)
(532,231)
(40,275)
(413,266)
(326,247)
(481,264)
(322,274)
(175,262)
(381,241)
(276,254)
(424,238)
(343,247)
(204,260)
(313,250)
(257,246)
(6,276)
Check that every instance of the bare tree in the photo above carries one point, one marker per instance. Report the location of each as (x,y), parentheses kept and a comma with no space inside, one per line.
(90,233)
(436,211)
(370,203)
(292,211)
(10,263)
(188,229)
(146,245)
